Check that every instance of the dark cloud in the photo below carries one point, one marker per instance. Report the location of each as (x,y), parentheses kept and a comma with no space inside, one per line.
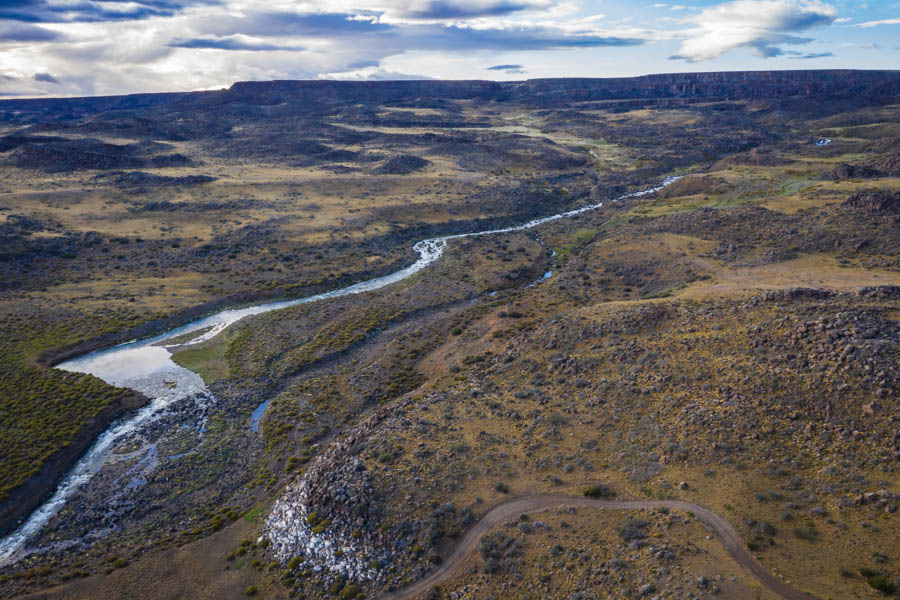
(363,64)
(44,11)
(279,24)
(46,77)
(393,39)
(509,69)
(767,47)
(521,38)
(22,32)
(457,9)
(229,43)
(800,56)
(801,20)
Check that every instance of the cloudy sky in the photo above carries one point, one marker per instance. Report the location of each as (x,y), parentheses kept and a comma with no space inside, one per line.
(98,47)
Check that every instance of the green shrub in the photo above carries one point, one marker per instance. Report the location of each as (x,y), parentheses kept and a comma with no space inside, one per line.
(321,527)
(501,487)
(350,592)
(557,419)
(633,529)
(599,490)
(882,584)
(808,533)
(251,590)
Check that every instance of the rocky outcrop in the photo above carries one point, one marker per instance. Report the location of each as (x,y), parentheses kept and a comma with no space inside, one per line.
(880,292)
(55,154)
(795,294)
(845,171)
(140,181)
(316,517)
(875,202)
(402,165)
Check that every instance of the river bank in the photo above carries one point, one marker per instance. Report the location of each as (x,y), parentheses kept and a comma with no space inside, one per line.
(38,489)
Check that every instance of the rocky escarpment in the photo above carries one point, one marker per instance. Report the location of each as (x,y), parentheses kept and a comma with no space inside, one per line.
(736,85)
(881,87)
(274,92)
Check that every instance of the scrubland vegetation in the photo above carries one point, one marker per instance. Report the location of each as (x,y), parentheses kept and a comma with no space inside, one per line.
(732,340)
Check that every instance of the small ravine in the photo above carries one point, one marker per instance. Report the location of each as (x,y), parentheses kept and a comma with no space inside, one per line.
(146,366)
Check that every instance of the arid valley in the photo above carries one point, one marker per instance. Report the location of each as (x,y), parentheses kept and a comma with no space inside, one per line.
(555,338)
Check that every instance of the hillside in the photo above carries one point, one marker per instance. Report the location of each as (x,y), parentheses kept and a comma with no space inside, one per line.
(730,339)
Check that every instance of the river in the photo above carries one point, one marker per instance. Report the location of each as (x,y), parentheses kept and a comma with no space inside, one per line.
(146,366)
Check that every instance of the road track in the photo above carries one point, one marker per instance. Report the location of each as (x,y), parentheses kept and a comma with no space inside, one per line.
(514,507)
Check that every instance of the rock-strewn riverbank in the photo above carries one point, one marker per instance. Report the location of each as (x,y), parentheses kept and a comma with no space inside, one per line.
(27,497)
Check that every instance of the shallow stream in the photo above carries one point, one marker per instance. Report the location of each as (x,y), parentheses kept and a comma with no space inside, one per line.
(146,366)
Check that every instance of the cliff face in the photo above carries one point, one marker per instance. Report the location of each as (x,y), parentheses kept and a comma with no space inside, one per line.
(738,85)
(860,86)
(274,92)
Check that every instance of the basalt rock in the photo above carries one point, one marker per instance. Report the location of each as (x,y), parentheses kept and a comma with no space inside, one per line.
(402,165)
(845,171)
(142,181)
(875,202)
(243,98)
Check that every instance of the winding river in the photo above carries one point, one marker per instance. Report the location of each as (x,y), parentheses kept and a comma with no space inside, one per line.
(146,366)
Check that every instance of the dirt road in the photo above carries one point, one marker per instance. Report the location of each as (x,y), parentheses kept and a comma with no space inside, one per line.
(525,504)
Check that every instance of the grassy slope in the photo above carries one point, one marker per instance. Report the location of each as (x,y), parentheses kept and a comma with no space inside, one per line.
(649,368)
(264,228)
(701,386)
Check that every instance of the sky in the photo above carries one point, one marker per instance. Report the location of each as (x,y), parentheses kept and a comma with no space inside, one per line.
(106,47)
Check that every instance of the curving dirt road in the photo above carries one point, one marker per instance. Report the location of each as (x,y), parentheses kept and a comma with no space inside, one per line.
(524,504)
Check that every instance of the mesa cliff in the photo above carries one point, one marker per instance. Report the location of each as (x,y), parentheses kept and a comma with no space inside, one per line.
(861,87)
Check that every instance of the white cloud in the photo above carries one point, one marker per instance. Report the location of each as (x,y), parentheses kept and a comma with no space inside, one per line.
(370,74)
(208,44)
(762,25)
(882,22)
